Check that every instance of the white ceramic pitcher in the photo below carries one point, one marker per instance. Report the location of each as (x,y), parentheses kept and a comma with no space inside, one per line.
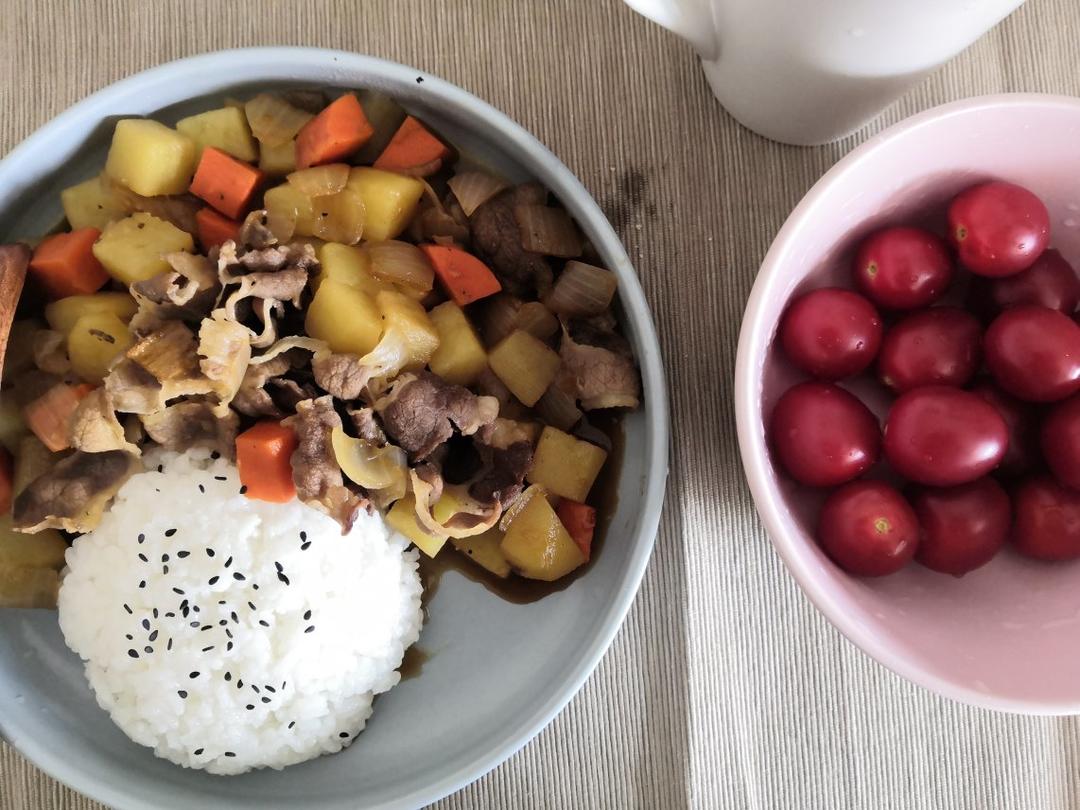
(811,71)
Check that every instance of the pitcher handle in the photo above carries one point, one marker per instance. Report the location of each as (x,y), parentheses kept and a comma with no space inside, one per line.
(690,19)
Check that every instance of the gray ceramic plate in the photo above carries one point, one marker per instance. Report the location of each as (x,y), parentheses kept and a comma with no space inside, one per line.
(498,672)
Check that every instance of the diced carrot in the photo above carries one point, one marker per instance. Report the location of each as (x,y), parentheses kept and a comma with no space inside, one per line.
(411,147)
(264,457)
(334,134)
(226,183)
(49,416)
(65,265)
(214,229)
(464,277)
(7,480)
(579,520)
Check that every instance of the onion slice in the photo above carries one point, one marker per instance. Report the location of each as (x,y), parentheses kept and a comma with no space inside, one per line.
(537,320)
(320,181)
(548,231)
(273,120)
(372,467)
(402,264)
(582,289)
(473,189)
(558,408)
(470,519)
(340,217)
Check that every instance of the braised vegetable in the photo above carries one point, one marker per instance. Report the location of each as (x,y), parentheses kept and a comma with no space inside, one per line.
(12,426)
(333,134)
(564,465)
(537,545)
(274,121)
(390,201)
(18,550)
(63,314)
(225,182)
(150,158)
(413,150)
(345,317)
(225,129)
(49,416)
(402,518)
(347,265)
(132,249)
(486,551)
(263,454)
(460,357)
(94,342)
(473,189)
(320,181)
(32,459)
(409,338)
(400,264)
(464,277)
(377,469)
(215,229)
(549,231)
(525,365)
(64,264)
(582,290)
(276,161)
(92,204)
(580,522)
(385,116)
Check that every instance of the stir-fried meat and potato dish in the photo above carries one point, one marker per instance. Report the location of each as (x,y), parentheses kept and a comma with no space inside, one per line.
(321,290)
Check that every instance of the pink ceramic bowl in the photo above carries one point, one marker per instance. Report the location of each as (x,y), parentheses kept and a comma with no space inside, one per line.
(1006,636)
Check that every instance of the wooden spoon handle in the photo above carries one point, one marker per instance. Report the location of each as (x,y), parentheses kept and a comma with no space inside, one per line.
(14,260)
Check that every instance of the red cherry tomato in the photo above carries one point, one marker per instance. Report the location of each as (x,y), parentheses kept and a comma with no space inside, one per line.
(824,436)
(998,228)
(940,346)
(962,527)
(1022,453)
(1051,282)
(1060,439)
(943,436)
(831,333)
(868,529)
(1034,353)
(903,268)
(1047,524)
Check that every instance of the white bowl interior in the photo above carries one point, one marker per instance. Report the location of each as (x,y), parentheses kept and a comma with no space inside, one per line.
(1004,635)
(497,671)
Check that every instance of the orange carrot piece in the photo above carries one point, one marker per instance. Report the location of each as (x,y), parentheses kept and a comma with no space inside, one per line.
(334,134)
(7,480)
(464,277)
(579,520)
(264,458)
(64,264)
(214,229)
(49,416)
(412,146)
(226,183)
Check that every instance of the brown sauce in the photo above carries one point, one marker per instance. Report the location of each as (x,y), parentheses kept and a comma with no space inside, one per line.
(519,590)
(412,665)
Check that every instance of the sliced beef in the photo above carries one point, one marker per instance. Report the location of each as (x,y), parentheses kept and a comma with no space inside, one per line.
(193,423)
(73,494)
(421,412)
(252,399)
(506,450)
(225,351)
(367,426)
(602,371)
(95,428)
(497,240)
(269,277)
(186,292)
(288,393)
(340,375)
(254,233)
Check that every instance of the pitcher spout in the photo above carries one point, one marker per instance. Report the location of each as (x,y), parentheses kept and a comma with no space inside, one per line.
(689,19)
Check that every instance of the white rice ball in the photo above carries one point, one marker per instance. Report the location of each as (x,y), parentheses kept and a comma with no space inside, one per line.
(227,633)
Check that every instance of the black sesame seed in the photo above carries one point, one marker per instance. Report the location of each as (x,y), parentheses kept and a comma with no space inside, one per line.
(184,604)
(283,578)
(213,580)
(193,675)
(164,557)
(223,622)
(145,624)
(238,576)
(228,562)
(183,554)
(195,608)
(169,645)
(142,538)
(209,552)
(264,622)
(307,615)
(184,612)
(255,688)
(142,583)
(148,649)
(228,632)
(178,591)
(239,683)
(303,536)
(269,688)
(195,624)
(293,723)
(198,751)
(170,615)
(153,636)
(129,637)
(181,693)
(230,754)
(127,607)
(310,629)
(164,570)
(228,676)
(206,627)
(266,700)
(221,601)
(243,489)
(143,557)
(208,649)
(277,565)
(202,488)
(170,532)
(252,605)
(160,468)
(283,684)
(305,546)
(250,706)
(228,647)
(215,455)
(155,613)
(344,735)
(133,654)
(254,586)
(221,478)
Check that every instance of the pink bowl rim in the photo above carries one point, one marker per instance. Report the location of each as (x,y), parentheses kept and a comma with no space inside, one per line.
(756,332)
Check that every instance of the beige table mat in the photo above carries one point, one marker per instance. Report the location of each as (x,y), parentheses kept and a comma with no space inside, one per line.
(725,688)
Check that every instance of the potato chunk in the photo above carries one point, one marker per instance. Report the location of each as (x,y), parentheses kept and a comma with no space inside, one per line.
(92,204)
(285,201)
(95,340)
(63,313)
(402,518)
(345,317)
(525,365)
(485,550)
(390,200)
(350,266)
(460,358)
(537,545)
(564,465)
(131,250)
(278,161)
(226,129)
(151,159)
